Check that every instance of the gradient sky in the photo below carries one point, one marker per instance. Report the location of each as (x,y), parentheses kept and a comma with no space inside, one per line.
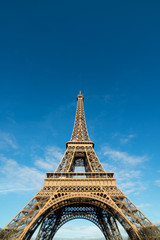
(49,50)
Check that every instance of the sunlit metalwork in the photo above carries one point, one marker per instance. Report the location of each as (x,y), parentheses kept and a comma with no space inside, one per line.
(67,195)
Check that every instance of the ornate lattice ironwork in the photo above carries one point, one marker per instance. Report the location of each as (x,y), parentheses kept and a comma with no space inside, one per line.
(80,132)
(91,195)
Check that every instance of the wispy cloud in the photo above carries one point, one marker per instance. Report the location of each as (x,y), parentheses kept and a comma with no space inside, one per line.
(79,231)
(127,138)
(82,229)
(123,157)
(125,181)
(125,165)
(7,140)
(78,238)
(130,187)
(52,157)
(157,183)
(17,177)
(157,223)
(123,138)
(144,206)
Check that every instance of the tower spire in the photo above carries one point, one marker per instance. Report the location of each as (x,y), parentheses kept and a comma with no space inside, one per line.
(80,132)
(68,194)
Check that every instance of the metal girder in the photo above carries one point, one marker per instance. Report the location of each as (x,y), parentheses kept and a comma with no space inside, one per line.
(67,195)
(80,132)
(101,218)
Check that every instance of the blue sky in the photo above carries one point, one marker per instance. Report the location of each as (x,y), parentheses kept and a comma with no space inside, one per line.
(49,50)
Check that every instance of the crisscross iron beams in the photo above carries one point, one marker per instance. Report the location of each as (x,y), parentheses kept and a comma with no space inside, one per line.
(91,194)
(93,160)
(55,220)
(135,216)
(111,229)
(80,132)
(67,160)
(16,227)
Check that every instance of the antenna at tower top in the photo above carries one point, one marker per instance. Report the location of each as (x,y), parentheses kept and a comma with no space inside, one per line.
(80,92)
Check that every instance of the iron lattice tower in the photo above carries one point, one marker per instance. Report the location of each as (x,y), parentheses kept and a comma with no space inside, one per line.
(66,195)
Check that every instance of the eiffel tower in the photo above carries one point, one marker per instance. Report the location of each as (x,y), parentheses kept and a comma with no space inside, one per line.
(67,194)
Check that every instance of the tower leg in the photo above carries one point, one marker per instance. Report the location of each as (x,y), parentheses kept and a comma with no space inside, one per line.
(104,225)
(102,219)
(49,226)
(114,228)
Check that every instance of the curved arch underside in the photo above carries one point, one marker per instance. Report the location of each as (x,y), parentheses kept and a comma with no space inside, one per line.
(52,212)
(102,219)
(95,196)
(105,218)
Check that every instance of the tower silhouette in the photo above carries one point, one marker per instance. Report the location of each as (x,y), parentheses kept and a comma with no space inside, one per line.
(67,194)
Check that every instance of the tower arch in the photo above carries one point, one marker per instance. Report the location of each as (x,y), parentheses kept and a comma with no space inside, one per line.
(64,188)
(103,202)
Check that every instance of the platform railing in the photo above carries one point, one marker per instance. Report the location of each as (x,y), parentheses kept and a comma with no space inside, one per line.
(79,175)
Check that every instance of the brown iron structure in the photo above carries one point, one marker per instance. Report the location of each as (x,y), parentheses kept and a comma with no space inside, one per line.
(67,194)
